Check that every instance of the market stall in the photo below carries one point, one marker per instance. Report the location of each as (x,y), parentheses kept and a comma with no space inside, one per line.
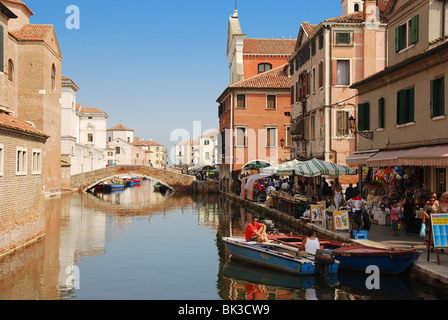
(296,203)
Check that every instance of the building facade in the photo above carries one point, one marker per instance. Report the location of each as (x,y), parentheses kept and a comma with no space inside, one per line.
(32,93)
(83,132)
(329,57)
(403,107)
(254,109)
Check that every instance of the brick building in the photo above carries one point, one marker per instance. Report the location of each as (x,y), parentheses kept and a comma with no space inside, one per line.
(254,110)
(30,78)
(22,168)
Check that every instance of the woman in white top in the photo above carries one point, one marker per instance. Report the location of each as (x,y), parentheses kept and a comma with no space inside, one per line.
(309,245)
(337,196)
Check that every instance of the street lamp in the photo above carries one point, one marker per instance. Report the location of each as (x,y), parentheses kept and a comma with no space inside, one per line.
(352,127)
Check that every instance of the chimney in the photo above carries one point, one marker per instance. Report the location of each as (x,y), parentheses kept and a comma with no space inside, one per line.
(371,11)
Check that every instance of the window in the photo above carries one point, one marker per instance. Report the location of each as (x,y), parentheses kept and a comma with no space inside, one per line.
(90,137)
(321,74)
(342,123)
(313,127)
(406,34)
(343,72)
(381,113)
(110,153)
(262,67)
(438,97)
(363,116)
(313,47)
(36,162)
(314,79)
(10,70)
(271,102)
(405,106)
(21,161)
(2,148)
(53,77)
(321,40)
(356,8)
(241,136)
(117,150)
(241,101)
(343,38)
(207,155)
(271,137)
(206,142)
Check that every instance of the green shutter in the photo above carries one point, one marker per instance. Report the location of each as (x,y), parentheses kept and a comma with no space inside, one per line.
(398,107)
(431,103)
(411,105)
(366,116)
(397,39)
(381,110)
(442,94)
(361,119)
(414,29)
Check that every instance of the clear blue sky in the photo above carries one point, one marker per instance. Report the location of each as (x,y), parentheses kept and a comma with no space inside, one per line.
(156,66)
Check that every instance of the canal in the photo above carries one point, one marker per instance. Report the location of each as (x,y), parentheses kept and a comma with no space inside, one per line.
(139,244)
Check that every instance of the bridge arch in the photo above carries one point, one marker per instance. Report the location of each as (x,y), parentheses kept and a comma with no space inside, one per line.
(175,181)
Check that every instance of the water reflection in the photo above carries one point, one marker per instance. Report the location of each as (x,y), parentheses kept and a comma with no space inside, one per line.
(140,244)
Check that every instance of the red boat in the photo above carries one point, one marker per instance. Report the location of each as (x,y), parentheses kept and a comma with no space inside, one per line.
(359,257)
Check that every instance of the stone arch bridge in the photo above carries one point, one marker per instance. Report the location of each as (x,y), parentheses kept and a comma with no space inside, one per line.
(176,181)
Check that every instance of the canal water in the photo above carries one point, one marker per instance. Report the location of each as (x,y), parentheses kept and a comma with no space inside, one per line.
(139,244)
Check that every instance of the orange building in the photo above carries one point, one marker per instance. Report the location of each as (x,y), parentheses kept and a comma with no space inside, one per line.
(254,110)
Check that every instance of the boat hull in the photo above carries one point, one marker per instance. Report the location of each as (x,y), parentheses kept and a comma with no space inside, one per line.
(258,255)
(359,257)
(113,187)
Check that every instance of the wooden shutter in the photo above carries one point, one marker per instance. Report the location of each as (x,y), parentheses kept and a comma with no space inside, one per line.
(442,96)
(414,29)
(2,49)
(381,112)
(321,74)
(432,98)
(411,105)
(366,116)
(397,39)
(361,117)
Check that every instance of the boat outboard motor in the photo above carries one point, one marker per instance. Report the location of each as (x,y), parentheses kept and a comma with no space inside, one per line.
(323,259)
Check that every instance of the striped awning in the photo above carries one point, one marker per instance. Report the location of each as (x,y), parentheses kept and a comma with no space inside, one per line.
(436,155)
(360,157)
(310,168)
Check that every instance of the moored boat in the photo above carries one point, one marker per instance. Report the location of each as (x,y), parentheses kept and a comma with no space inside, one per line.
(275,256)
(358,257)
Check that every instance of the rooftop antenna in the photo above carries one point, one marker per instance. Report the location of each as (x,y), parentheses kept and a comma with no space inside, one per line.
(236,8)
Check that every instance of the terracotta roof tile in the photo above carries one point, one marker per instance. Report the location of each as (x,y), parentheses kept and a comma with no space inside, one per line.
(119,127)
(11,122)
(275,78)
(269,46)
(356,17)
(91,110)
(138,142)
(32,32)
(309,27)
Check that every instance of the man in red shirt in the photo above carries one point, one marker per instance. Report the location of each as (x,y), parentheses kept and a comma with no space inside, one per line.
(256,231)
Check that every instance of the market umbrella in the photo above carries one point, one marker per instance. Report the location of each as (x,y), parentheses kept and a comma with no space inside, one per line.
(285,168)
(316,167)
(256,164)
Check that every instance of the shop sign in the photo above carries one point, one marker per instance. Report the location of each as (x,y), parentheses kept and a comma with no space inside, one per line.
(341,220)
(440,230)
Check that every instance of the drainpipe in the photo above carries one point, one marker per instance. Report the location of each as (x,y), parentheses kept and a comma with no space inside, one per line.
(231,140)
(327,97)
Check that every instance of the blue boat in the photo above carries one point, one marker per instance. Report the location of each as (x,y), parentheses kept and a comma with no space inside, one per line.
(113,187)
(129,183)
(358,257)
(275,256)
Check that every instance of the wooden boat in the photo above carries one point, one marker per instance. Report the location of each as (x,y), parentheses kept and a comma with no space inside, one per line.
(129,183)
(276,256)
(359,257)
(157,186)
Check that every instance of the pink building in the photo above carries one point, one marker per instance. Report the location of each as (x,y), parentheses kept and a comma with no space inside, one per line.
(329,57)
